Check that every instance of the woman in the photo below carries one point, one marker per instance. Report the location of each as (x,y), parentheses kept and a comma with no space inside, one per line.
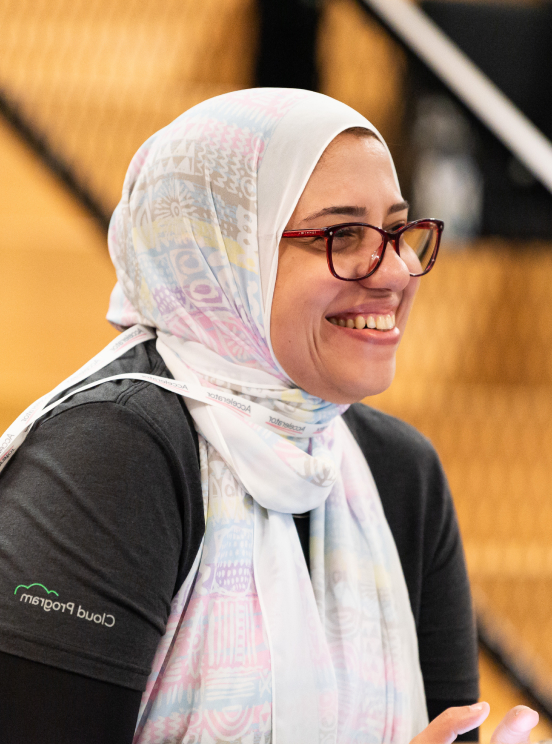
(224,550)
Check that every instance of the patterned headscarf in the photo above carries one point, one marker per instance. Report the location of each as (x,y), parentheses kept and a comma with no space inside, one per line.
(256,650)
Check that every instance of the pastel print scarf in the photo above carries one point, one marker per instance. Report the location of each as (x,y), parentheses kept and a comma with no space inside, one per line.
(256,649)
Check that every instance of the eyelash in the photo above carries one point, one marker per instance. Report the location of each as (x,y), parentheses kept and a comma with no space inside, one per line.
(395,227)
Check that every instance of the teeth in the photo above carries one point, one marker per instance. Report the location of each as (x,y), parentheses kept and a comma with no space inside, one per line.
(381,322)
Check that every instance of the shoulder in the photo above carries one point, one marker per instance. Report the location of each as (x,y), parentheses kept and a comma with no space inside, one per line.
(128,403)
(118,448)
(412,487)
(384,437)
(124,432)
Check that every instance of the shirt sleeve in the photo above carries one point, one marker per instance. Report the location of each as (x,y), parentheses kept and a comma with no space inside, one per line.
(90,544)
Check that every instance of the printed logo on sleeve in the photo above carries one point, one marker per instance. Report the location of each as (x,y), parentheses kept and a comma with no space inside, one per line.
(37,599)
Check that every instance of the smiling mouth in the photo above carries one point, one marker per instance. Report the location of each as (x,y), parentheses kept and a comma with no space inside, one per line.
(360,322)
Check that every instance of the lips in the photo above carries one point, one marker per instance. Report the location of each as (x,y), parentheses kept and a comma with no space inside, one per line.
(359,322)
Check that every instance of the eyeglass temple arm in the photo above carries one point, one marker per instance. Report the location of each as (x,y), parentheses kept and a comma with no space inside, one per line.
(304,233)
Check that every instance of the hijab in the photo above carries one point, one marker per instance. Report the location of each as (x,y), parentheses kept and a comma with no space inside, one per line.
(257,650)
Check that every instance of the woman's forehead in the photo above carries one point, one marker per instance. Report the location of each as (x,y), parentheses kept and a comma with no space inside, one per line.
(354,176)
(347,146)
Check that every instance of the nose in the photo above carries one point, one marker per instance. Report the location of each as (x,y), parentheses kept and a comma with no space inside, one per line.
(392,273)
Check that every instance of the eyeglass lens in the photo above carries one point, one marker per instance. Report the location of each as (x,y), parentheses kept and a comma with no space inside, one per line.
(356,249)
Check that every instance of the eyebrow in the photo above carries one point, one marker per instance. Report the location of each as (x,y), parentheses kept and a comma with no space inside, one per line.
(352,211)
(398,207)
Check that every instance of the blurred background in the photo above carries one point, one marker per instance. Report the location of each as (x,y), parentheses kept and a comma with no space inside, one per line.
(84,83)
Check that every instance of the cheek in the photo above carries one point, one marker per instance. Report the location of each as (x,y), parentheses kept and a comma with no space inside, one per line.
(409,295)
(300,298)
(411,259)
(294,311)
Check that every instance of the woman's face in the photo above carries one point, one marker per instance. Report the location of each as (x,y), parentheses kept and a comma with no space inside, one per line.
(353,181)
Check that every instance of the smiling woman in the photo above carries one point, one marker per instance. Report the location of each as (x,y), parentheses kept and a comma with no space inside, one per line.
(275,561)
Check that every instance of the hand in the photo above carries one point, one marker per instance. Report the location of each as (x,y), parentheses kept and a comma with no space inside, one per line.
(514,728)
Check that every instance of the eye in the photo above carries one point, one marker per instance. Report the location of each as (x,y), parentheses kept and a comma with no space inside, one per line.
(316,242)
(345,232)
(396,226)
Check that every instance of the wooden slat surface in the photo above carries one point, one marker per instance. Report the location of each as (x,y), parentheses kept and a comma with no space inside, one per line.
(55,281)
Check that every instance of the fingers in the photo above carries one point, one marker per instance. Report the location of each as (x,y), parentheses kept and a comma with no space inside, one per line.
(516,726)
(445,728)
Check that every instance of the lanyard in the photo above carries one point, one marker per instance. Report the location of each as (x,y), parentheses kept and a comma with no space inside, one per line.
(245,409)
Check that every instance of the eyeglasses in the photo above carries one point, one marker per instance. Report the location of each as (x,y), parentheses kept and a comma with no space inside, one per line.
(354,250)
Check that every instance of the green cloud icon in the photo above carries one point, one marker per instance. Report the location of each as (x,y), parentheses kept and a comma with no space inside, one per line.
(48,591)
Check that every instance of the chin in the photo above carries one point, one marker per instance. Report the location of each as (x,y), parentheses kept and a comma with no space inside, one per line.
(354,389)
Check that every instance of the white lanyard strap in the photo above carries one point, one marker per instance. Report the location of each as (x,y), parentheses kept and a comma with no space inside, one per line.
(16,433)
(245,409)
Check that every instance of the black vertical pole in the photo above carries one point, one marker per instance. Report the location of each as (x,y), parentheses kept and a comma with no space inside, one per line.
(287,44)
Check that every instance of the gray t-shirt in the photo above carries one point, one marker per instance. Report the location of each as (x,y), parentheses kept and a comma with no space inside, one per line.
(101,517)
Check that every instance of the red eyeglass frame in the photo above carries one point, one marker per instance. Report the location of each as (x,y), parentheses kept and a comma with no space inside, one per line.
(388,237)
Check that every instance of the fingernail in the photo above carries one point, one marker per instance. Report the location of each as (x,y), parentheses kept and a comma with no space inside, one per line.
(478,706)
